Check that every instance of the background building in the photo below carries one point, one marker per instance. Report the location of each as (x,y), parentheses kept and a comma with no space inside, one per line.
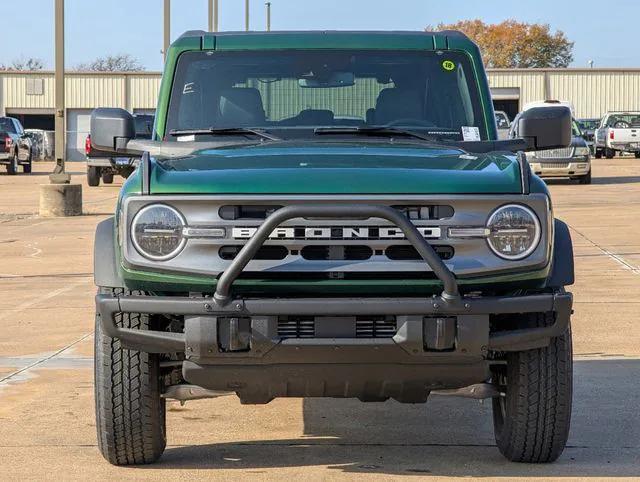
(29,96)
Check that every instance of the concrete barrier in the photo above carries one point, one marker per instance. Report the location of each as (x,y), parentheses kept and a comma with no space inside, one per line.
(60,200)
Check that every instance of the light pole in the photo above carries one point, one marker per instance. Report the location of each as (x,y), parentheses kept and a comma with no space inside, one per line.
(268,7)
(167,28)
(246,15)
(213,15)
(59,175)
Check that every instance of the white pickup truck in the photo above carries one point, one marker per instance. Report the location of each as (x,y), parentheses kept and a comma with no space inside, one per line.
(618,132)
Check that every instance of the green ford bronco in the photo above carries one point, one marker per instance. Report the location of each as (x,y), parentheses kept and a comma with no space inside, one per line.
(331,214)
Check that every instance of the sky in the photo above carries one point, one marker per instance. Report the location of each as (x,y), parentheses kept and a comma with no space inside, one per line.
(605,34)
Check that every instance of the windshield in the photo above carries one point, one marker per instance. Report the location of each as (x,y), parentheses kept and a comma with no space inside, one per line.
(144,126)
(623,121)
(433,93)
(6,125)
(589,124)
(501,120)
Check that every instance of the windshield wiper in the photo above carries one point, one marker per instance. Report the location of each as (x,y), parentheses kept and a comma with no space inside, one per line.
(373,131)
(224,131)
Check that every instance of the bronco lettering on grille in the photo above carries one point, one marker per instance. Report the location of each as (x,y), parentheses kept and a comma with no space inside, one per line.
(328,232)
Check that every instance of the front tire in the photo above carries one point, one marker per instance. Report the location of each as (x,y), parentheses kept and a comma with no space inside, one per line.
(531,423)
(26,168)
(586,179)
(107,177)
(637,155)
(130,413)
(609,153)
(598,154)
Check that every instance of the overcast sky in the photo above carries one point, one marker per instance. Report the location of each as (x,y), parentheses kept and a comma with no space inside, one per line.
(604,32)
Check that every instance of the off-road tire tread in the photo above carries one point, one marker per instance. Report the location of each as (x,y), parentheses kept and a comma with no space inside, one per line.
(130,415)
(539,398)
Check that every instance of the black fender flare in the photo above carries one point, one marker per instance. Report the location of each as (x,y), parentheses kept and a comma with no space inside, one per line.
(562,268)
(105,271)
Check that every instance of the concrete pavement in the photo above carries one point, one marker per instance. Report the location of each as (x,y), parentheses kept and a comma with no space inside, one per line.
(47,427)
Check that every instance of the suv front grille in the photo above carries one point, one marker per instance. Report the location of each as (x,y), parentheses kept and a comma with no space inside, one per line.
(563,153)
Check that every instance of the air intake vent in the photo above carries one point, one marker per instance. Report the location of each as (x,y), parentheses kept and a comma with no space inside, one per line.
(298,327)
(375,327)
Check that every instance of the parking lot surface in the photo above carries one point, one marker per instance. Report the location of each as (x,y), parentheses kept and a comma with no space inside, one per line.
(47,427)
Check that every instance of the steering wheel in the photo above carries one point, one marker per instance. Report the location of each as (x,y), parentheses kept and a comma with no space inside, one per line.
(621,125)
(408,122)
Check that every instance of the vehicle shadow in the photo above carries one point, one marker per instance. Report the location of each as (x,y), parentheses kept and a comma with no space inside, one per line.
(448,436)
(616,180)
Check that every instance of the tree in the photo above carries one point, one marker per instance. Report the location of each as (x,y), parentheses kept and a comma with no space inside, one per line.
(512,44)
(30,63)
(112,63)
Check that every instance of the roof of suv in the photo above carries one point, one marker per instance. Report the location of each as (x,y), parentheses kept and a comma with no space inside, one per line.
(410,40)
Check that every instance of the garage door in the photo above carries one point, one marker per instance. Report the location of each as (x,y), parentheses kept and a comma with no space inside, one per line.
(78,123)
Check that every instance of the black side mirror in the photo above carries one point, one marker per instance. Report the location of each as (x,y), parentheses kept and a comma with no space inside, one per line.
(111,130)
(545,127)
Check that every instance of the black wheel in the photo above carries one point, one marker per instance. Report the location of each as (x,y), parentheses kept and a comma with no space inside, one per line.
(26,168)
(637,155)
(598,154)
(609,153)
(107,177)
(130,414)
(93,176)
(531,423)
(12,167)
(586,179)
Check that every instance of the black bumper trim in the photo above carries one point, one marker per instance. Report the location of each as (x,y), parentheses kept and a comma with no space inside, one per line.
(160,342)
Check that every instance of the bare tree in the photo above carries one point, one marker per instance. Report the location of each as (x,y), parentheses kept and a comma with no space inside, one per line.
(30,63)
(112,63)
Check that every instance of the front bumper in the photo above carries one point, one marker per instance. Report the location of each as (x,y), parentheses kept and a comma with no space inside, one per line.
(560,167)
(233,343)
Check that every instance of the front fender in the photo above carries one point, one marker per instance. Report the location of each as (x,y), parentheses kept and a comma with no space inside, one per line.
(562,268)
(105,270)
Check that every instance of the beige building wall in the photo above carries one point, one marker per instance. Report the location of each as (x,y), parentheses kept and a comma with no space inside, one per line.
(592,91)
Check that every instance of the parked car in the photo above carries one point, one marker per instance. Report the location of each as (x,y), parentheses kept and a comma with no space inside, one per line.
(618,132)
(42,142)
(268,247)
(588,128)
(573,161)
(106,167)
(503,124)
(15,146)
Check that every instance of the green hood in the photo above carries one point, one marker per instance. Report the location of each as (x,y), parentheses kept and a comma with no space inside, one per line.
(320,168)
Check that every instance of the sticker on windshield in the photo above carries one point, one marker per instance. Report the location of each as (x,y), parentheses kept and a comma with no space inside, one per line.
(448,65)
(470,133)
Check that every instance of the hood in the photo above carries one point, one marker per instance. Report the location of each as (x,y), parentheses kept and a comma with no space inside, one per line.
(336,169)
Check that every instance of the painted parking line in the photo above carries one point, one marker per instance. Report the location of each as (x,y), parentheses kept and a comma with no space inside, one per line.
(615,257)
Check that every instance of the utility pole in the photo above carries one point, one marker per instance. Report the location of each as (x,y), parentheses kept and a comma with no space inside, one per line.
(246,15)
(213,15)
(268,6)
(167,28)
(59,175)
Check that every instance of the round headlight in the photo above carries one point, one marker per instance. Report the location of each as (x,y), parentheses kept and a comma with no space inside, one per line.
(156,232)
(514,231)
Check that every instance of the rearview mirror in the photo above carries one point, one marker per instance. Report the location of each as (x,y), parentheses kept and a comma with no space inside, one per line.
(545,127)
(111,130)
(333,79)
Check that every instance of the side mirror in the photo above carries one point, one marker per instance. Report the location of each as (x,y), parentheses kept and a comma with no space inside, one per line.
(545,127)
(111,130)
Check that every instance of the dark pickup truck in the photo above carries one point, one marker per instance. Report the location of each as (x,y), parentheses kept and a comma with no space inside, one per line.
(15,146)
